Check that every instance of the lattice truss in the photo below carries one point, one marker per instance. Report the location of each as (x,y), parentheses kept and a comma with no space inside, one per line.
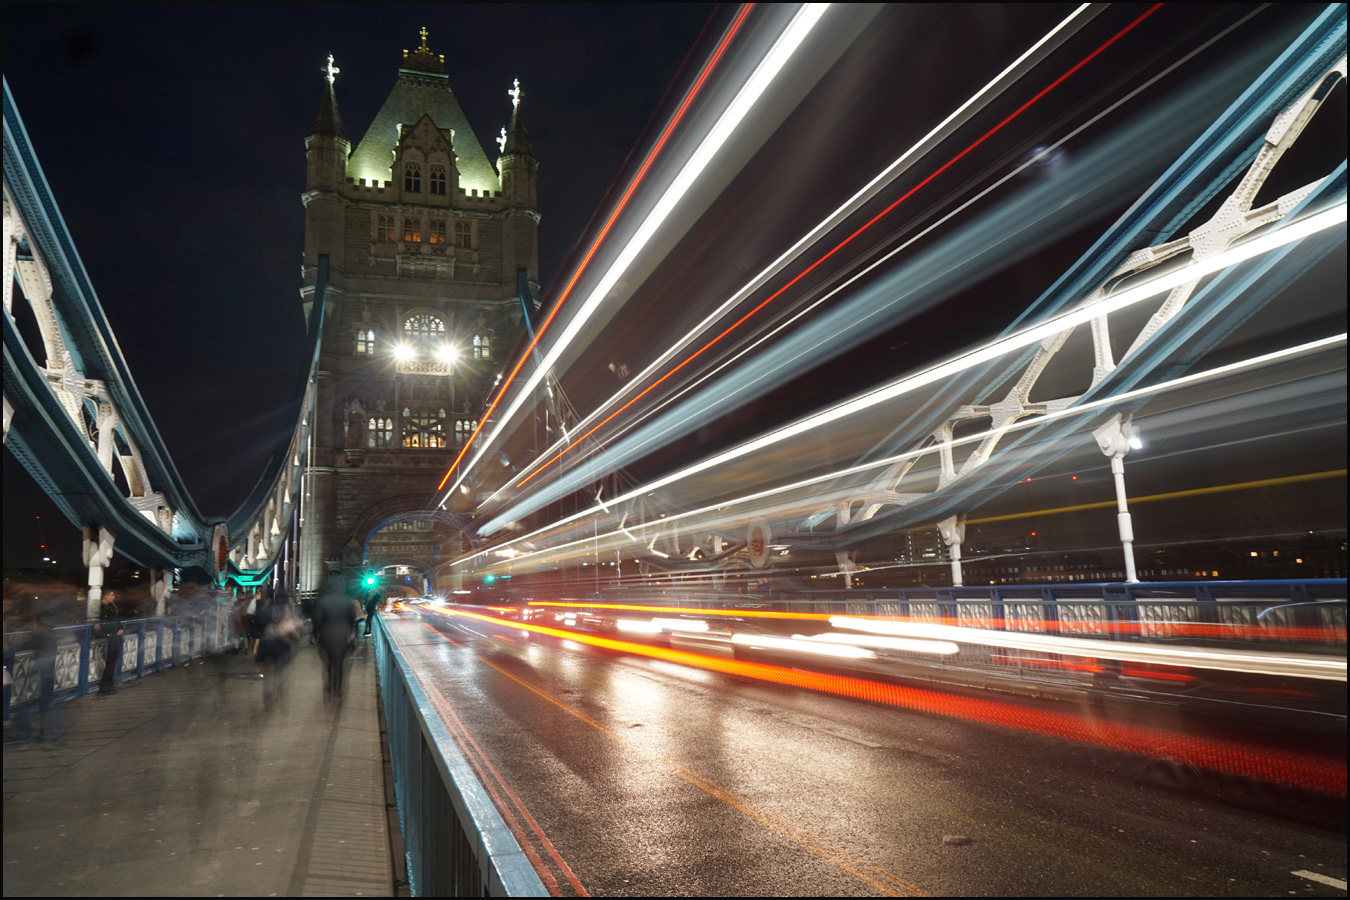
(1234,219)
(93,411)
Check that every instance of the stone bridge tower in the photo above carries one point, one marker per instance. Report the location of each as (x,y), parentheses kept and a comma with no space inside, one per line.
(424,237)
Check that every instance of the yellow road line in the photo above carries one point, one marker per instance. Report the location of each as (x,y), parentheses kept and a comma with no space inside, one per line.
(845,859)
(1171,495)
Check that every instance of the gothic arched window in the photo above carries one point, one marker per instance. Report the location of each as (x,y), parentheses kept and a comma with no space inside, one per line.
(412,177)
(412,230)
(437,233)
(464,428)
(365,342)
(482,346)
(380,433)
(463,235)
(438,179)
(424,326)
(385,228)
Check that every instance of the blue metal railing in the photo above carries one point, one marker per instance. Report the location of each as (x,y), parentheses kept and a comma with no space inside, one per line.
(456,842)
(148,646)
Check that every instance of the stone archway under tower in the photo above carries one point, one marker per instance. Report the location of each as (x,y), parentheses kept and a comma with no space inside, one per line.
(433,539)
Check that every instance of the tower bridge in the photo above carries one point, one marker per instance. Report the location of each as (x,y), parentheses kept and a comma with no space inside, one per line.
(736,420)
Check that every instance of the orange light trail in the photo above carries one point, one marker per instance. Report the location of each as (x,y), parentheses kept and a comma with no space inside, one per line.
(613,216)
(1296,769)
(1130,629)
(948,164)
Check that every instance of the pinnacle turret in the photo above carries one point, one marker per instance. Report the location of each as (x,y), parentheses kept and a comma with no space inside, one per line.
(327,119)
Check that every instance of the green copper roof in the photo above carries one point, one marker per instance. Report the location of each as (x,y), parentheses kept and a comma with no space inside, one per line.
(417,93)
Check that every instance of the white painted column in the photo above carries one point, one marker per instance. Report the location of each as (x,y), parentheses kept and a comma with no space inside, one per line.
(98,551)
(1114,440)
(952,530)
(161,585)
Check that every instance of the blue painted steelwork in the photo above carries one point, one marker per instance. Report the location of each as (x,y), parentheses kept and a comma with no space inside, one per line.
(456,842)
(149,645)
(1225,150)
(167,530)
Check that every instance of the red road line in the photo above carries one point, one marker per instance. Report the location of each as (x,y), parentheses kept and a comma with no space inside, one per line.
(623,201)
(466,738)
(846,240)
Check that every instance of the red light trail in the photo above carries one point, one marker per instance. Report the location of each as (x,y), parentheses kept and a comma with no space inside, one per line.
(845,242)
(613,216)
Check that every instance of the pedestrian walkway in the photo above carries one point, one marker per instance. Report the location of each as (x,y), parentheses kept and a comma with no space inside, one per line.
(180,784)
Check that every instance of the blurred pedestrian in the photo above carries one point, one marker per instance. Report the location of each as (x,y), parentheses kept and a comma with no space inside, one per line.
(41,720)
(335,620)
(372,603)
(109,628)
(239,622)
(280,630)
(307,606)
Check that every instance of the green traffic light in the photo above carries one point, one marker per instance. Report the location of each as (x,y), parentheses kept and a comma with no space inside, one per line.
(370,579)
(490,578)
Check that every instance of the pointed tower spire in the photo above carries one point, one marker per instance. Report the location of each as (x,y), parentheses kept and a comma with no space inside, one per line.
(517,139)
(327,119)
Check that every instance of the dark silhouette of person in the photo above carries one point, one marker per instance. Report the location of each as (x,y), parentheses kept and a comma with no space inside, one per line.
(335,622)
(372,603)
(280,628)
(109,628)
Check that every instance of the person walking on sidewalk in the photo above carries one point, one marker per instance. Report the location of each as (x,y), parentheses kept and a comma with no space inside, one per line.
(335,621)
(372,603)
(109,628)
(280,629)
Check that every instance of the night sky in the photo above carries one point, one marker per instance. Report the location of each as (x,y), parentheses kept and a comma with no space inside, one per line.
(173,140)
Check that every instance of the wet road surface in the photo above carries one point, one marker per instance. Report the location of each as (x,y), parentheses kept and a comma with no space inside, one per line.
(627,775)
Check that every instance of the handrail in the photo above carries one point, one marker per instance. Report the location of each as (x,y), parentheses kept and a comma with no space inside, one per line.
(443,808)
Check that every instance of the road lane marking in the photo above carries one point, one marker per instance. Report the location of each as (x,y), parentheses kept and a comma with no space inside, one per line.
(841,857)
(1320,878)
(838,734)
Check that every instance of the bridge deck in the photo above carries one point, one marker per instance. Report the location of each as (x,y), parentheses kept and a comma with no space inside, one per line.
(180,784)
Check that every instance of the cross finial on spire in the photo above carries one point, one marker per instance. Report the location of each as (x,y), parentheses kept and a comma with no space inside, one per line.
(424,38)
(516,93)
(501,140)
(330,70)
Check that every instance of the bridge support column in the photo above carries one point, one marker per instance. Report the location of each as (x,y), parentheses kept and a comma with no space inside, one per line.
(952,530)
(98,550)
(161,585)
(1114,440)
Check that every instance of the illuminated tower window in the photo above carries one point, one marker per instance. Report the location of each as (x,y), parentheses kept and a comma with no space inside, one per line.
(482,346)
(424,327)
(437,233)
(412,230)
(438,179)
(412,177)
(423,430)
(464,428)
(463,235)
(365,342)
(380,433)
(385,229)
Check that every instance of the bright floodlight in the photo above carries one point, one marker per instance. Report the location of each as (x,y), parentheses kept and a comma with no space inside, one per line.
(447,353)
(403,352)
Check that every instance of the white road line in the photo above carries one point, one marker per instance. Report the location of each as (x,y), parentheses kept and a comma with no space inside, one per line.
(836,734)
(1320,878)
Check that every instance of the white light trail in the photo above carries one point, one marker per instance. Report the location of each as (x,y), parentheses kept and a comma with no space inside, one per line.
(1264,243)
(1185,381)
(911,645)
(1299,665)
(802,646)
(774,61)
(1010,75)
